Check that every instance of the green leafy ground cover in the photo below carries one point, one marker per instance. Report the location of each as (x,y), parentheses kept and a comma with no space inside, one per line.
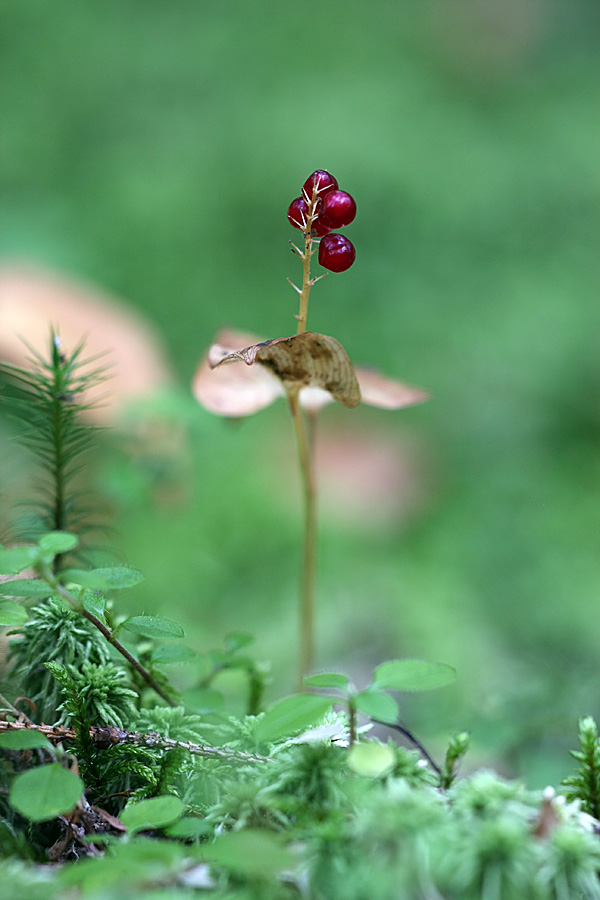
(149,152)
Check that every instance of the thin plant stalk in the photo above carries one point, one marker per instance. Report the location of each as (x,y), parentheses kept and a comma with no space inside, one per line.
(305,443)
(306,281)
(309,548)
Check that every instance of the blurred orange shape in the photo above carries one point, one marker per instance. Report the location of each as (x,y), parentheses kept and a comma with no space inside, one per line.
(234,391)
(33,300)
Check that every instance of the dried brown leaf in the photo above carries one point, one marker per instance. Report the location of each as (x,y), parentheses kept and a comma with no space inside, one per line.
(229,390)
(307,360)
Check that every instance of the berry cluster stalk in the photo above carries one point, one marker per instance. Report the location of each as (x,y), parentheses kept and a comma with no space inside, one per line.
(306,461)
(306,282)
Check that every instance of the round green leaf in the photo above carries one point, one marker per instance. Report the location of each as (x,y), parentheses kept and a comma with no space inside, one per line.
(55,542)
(154,813)
(252,853)
(27,587)
(291,715)
(236,640)
(94,603)
(372,759)
(45,792)
(153,627)
(18,558)
(172,653)
(203,700)
(110,578)
(377,706)
(190,827)
(24,739)
(412,675)
(12,614)
(327,680)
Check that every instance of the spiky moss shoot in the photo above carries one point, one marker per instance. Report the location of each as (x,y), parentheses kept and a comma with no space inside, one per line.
(52,634)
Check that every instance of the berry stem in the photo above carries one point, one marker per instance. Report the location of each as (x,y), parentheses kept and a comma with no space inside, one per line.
(309,551)
(306,282)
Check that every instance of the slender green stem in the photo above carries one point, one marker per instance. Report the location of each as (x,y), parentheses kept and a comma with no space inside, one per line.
(135,663)
(305,442)
(309,550)
(306,283)
(59,395)
(351,722)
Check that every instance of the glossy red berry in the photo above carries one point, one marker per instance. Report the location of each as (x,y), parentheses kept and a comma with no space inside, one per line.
(297,213)
(324,180)
(337,209)
(319,228)
(336,253)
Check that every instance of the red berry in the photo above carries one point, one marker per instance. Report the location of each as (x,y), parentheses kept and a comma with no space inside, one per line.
(319,228)
(324,181)
(297,213)
(338,209)
(336,253)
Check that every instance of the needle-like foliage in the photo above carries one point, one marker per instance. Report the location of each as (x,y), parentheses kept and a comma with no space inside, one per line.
(584,785)
(48,399)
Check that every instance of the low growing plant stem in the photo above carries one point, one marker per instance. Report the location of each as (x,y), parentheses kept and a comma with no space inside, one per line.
(305,444)
(307,582)
(306,283)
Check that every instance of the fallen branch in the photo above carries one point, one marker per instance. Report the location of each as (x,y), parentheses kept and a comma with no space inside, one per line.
(108,736)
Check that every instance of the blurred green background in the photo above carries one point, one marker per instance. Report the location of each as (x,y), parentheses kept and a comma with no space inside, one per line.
(153,148)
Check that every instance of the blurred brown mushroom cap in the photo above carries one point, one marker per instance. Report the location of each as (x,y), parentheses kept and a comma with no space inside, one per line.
(236,390)
(34,299)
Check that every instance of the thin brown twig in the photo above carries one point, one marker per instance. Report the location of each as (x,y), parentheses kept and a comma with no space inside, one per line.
(107,736)
(150,681)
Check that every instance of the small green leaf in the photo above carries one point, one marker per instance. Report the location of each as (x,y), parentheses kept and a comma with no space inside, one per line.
(153,627)
(251,853)
(153,813)
(55,542)
(291,715)
(172,653)
(18,558)
(236,640)
(24,739)
(377,706)
(26,587)
(372,759)
(203,700)
(95,604)
(12,613)
(327,680)
(190,827)
(134,869)
(111,578)
(412,675)
(45,792)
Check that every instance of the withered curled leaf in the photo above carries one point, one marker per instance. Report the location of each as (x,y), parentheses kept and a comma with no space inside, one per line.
(318,364)
(300,361)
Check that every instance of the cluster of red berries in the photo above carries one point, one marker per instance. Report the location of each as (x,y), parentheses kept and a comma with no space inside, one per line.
(322,208)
